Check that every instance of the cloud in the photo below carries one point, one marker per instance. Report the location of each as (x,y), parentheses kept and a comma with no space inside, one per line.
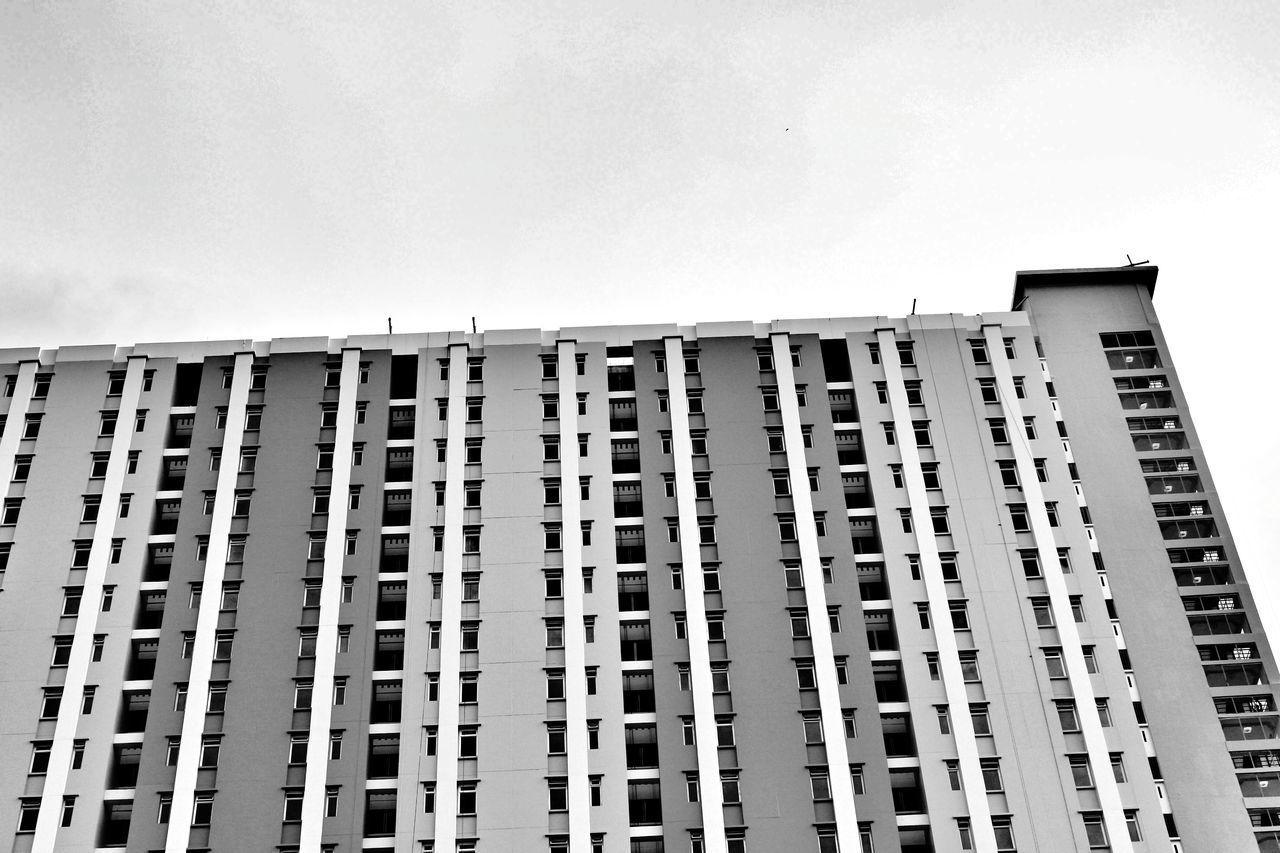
(52,307)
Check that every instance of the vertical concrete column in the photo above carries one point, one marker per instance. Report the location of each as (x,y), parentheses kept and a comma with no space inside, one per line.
(815,600)
(215,567)
(1059,598)
(413,761)
(575,652)
(55,782)
(975,791)
(704,721)
(15,420)
(446,828)
(313,794)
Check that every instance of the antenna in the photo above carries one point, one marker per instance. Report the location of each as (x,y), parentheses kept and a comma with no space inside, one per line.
(473,325)
(388,325)
(1134,263)
(913,306)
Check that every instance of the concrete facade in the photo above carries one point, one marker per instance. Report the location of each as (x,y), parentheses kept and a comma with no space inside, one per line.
(940,582)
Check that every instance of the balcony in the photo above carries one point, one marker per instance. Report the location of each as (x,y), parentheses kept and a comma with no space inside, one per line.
(125,759)
(384,757)
(180,429)
(644,802)
(622,377)
(642,747)
(392,602)
(385,705)
(637,693)
(399,465)
(402,424)
(142,660)
(134,706)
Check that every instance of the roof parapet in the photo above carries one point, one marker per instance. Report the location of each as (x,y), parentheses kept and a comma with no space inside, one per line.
(1025,279)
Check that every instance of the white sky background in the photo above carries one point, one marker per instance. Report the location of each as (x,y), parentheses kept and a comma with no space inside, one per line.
(229,170)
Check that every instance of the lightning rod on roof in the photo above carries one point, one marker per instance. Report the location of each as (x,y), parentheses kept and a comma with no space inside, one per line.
(473,325)
(913,306)
(388,325)
(1134,263)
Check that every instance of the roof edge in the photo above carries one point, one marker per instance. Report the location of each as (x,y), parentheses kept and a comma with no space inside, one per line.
(1025,279)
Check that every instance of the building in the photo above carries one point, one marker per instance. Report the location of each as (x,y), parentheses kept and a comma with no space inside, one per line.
(938,582)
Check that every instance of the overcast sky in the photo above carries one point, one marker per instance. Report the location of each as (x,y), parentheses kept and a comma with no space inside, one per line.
(228,170)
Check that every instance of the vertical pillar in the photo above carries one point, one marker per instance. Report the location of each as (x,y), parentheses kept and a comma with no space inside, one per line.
(575,651)
(704,722)
(55,782)
(15,420)
(1059,599)
(446,828)
(413,716)
(975,791)
(815,596)
(313,794)
(215,567)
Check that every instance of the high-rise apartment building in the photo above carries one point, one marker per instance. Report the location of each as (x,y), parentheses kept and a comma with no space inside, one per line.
(938,582)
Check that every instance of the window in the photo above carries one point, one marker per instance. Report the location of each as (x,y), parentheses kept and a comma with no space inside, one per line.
(1081,774)
(991,775)
(61,651)
(1077,608)
(812,726)
(1054,663)
(931,658)
(558,795)
(293,806)
(799,624)
(222,645)
(467,798)
(777,444)
(1019,518)
(820,785)
(921,431)
(21,468)
(12,507)
(1104,713)
(1067,718)
(307,643)
(1042,612)
(941,524)
(28,814)
(959,615)
(556,739)
(1042,470)
(1003,827)
(981,719)
(1095,831)
(806,676)
(999,433)
(50,703)
(302,695)
(724,731)
(969,666)
(210,747)
(1130,821)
